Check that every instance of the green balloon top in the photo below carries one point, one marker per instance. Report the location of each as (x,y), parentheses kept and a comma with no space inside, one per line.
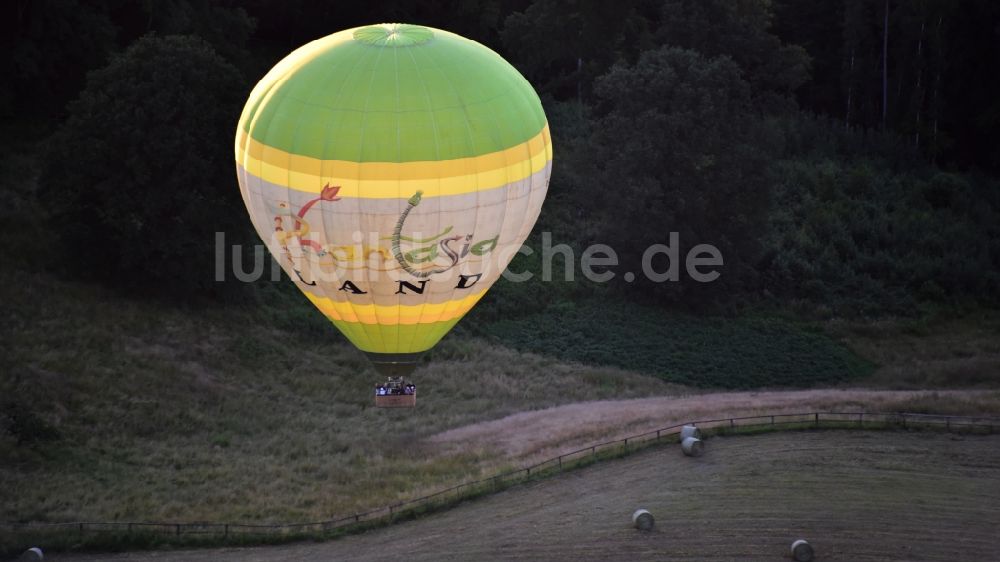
(393,93)
(393,35)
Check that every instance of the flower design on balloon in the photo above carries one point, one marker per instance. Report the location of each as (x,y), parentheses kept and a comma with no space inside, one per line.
(329,193)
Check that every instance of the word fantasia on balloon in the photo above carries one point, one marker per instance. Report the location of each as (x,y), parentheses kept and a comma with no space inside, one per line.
(660,263)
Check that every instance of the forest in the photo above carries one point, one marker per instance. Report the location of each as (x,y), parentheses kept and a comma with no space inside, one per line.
(840,155)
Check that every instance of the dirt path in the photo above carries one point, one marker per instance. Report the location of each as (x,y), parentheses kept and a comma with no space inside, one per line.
(857,496)
(542,434)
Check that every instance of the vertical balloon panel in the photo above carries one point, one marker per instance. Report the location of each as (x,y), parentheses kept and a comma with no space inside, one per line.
(393,171)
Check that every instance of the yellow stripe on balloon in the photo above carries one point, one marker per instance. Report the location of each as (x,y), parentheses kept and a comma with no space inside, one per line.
(395,314)
(390,180)
(253,150)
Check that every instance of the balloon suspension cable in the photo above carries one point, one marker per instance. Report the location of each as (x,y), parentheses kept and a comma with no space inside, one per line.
(394,364)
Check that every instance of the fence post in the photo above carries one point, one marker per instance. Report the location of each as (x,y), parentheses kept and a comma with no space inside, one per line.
(626,444)
(178,529)
(732,423)
(560,462)
(81,529)
(657,434)
(817,418)
(772,420)
(861,418)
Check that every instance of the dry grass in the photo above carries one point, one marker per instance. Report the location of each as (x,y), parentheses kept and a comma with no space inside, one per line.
(951,352)
(538,435)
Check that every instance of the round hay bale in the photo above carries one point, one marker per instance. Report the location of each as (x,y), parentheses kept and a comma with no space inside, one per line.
(34,553)
(692,447)
(802,551)
(643,520)
(690,431)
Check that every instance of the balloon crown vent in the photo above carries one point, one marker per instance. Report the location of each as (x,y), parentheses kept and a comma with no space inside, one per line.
(393,35)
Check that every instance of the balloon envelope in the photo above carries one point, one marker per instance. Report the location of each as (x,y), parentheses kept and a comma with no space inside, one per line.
(393,170)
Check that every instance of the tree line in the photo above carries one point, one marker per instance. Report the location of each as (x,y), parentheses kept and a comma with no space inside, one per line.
(839,154)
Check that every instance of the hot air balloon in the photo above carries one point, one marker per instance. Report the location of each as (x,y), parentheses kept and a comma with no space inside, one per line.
(394,171)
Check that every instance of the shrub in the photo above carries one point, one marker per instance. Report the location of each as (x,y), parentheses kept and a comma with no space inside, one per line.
(869,240)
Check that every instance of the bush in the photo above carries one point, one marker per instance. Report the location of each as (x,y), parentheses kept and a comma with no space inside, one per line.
(852,234)
(139,178)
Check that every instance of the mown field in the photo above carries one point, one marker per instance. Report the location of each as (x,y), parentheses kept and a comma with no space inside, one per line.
(855,495)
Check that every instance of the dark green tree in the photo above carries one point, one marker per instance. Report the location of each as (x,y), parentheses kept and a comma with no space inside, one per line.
(562,46)
(139,178)
(224,24)
(678,148)
(49,45)
(818,28)
(740,30)
(928,75)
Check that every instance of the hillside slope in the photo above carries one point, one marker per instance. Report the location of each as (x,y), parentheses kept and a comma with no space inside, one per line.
(119,408)
(116,408)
